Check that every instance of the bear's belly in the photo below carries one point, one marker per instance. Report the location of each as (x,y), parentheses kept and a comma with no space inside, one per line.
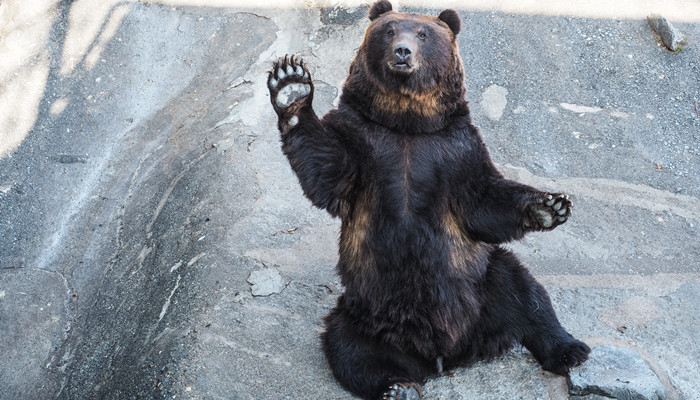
(409,252)
(410,292)
(431,321)
(412,277)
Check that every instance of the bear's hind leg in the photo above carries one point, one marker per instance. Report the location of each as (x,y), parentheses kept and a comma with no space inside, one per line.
(556,350)
(519,305)
(369,369)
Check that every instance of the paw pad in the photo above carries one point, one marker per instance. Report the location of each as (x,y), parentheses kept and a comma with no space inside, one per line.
(291,93)
(550,212)
(401,392)
(288,82)
(559,205)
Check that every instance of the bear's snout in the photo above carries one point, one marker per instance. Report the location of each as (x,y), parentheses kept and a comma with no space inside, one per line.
(403,57)
(403,53)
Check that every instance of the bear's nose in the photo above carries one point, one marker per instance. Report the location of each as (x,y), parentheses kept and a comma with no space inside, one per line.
(402,52)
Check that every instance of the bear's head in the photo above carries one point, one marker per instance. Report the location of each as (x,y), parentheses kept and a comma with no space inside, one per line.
(407,73)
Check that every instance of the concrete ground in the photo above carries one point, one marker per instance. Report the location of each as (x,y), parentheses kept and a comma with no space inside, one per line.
(141,182)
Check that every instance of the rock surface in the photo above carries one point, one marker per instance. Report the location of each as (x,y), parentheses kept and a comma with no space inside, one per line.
(494,101)
(142,181)
(617,373)
(265,282)
(673,38)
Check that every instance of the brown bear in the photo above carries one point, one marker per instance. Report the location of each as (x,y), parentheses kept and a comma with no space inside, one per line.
(423,211)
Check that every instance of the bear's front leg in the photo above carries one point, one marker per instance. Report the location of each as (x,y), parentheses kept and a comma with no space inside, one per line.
(291,90)
(508,210)
(548,212)
(315,150)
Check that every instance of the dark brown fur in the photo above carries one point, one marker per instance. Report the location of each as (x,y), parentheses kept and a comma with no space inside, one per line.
(423,210)
(422,102)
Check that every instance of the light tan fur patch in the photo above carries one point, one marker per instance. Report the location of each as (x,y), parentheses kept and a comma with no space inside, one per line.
(424,104)
(353,237)
(465,253)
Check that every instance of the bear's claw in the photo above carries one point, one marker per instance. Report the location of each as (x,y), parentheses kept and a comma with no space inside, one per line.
(567,356)
(550,212)
(402,391)
(289,81)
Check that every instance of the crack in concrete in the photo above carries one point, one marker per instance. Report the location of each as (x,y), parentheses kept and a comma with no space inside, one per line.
(613,191)
(167,302)
(655,285)
(206,338)
(166,195)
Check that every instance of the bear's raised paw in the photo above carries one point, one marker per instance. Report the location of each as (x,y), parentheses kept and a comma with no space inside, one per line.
(289,83)
(550,212)
(402,391)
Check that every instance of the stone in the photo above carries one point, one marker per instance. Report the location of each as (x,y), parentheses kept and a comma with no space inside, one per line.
(580,109)
(617,373)
(494,101)
(673,38)
(266,281)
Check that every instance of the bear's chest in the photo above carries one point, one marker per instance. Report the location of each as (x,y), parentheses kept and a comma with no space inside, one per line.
(411,174)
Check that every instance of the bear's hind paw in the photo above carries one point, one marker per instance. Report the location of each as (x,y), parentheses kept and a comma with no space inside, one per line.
(403,391)
(567,356)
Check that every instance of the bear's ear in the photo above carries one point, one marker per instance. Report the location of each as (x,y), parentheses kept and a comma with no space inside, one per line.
(452,19)
(379,8)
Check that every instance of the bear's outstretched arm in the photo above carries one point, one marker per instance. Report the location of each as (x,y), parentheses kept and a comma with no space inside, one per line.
(315,151)
(506,210)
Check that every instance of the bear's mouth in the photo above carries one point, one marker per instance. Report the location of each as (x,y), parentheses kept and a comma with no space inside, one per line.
(401,67)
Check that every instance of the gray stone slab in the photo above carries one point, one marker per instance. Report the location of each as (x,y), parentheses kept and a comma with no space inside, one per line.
(617,373)
(266,281)
(672,38)
(511,377)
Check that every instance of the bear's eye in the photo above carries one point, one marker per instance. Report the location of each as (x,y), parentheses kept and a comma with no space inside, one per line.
(422,35)
(390,32)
